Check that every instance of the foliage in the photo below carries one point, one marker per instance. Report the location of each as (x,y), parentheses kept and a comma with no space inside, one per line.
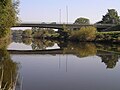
(27,41)
(113,36)
(27,33)
(44,33)
(84,34)
(109,60)
(82,20)
(109,53)
(111,17)
(82,49)
(16,33)
(4,42)
(38,44)
(8,15)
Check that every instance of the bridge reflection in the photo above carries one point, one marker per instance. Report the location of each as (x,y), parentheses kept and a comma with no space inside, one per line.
(109,54)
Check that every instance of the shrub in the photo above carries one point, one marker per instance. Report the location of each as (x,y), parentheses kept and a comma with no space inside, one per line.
(84,34)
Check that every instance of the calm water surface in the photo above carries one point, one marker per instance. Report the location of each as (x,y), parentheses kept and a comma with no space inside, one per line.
(83,68)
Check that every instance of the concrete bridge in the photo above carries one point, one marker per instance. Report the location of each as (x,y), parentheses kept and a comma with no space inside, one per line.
(61,26)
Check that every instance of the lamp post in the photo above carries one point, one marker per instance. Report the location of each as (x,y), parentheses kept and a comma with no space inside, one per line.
(67,14)
(60,16)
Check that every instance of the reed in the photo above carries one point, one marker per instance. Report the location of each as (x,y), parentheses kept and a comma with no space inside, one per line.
(6,85)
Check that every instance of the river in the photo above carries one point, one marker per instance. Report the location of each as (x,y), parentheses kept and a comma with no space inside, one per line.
(78,66)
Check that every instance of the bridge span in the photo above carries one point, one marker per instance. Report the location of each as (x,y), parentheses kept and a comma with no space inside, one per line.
(61,26)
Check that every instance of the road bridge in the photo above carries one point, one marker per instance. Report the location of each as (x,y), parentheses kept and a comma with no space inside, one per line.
(62,26)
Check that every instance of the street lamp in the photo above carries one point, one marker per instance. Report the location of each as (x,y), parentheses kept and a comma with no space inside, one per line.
(60,16)
(67,14)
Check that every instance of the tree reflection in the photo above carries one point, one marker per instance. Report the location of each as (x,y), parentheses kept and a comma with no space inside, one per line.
(109,53)
(41,44)
(81,49)
(110,60)
(36,44)
(8,68)
(27,41)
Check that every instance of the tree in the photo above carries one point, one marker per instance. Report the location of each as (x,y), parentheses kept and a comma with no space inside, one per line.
(8,15)
(110,18)
(82,21)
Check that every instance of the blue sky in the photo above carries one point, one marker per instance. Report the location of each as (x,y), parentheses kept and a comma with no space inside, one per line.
(48,10)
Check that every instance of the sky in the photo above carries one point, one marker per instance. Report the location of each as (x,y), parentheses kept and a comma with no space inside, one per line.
(49,10)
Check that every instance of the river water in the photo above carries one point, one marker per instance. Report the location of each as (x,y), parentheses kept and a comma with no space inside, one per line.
(78,66)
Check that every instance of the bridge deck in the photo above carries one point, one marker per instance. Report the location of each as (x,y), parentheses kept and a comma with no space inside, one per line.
(57,26)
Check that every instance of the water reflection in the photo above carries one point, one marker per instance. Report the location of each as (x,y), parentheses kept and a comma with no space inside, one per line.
(73,66)
(109,53)
(36,44)
(8,68)
(81,49)
(110,60)
(41,45)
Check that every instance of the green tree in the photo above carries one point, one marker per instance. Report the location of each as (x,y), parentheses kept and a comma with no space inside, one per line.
(82,20)
(111,17)
(8,15)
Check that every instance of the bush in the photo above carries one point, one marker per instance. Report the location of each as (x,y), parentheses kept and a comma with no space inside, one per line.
(84,34)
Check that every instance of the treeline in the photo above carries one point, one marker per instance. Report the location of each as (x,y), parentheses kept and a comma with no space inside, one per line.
(84,34)
(35,33)
(8,15)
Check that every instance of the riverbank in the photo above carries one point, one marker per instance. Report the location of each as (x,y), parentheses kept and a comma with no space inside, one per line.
(85,34)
